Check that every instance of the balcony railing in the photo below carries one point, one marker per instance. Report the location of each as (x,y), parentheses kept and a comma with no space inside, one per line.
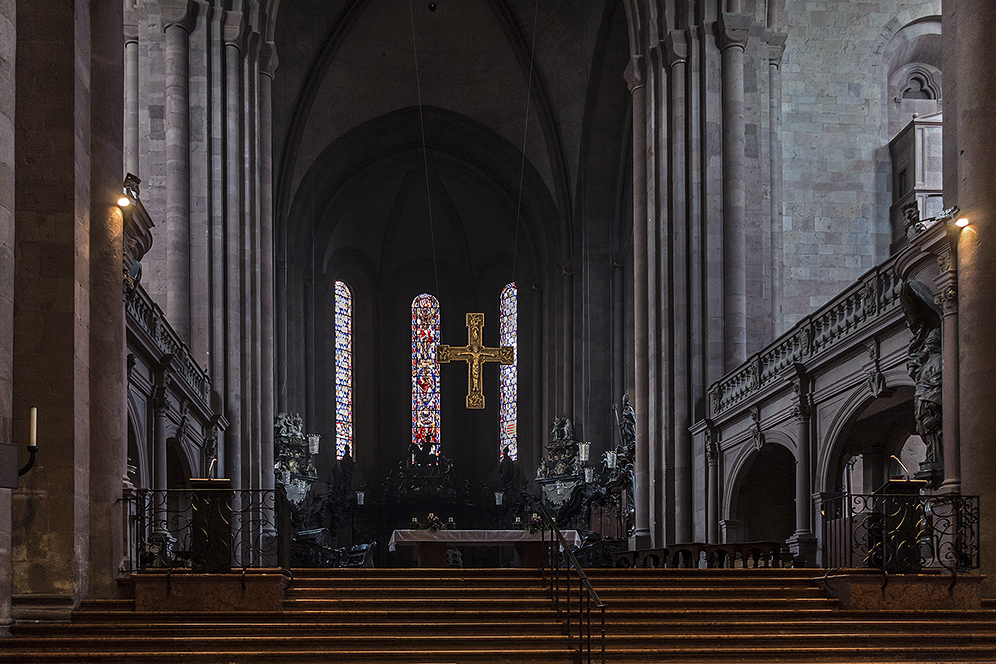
(873,295)
(144,314)
(901,533)
(208,530)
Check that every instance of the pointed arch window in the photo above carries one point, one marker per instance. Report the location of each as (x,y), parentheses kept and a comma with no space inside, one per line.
(343,370)
(508,377)
(425,373)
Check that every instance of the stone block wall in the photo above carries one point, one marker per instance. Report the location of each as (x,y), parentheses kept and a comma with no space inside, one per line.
(835,133)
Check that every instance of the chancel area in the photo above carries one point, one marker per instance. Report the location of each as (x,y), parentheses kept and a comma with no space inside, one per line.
(398,314)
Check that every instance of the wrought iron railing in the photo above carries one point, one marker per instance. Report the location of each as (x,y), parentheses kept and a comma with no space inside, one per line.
(901,533)
(572,601)
(209,530)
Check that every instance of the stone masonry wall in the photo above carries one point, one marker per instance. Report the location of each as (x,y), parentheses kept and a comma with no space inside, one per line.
(837,175)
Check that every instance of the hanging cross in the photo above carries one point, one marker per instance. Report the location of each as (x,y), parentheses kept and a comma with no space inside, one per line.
(475,354)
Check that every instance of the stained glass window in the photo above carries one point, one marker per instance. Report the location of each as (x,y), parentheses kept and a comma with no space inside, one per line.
(425,373)
(508,384)
(343,370)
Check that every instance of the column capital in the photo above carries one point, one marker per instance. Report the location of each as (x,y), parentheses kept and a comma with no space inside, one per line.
(268,59)
(947,299)
(711,443)
(776,47)
(676,47)
(160,400)
(634,73)
(233,29)
(733,29)
(756,430)
(177,13)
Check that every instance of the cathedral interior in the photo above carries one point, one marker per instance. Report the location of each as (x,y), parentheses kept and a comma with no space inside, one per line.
(729,226)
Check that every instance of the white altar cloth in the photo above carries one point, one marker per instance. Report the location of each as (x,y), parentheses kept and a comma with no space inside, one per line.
(475,537)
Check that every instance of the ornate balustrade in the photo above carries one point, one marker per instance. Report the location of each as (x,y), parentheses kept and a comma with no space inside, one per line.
(145,315)
(874,296)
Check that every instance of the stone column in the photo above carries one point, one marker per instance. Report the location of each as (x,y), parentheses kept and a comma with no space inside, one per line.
(974,23)
(802,543)
(641,333)
(567,275)
(539,421)
(233,247)
(776,46)
(177,176)
(712,484)
(733,41)
(51,368)
(8,25)
(677,50)
(267,67)
(131,94)
(108,387)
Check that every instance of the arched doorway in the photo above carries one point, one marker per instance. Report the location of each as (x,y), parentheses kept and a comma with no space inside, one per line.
(765,500)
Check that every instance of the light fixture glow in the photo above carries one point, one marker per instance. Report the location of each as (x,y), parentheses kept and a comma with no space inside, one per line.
(124,201)
(962,222)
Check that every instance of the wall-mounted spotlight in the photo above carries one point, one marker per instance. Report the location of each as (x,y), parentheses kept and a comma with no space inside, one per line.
(129,190)
(961,222)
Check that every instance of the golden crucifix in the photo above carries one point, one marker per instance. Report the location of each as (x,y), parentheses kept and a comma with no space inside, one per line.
(475,354)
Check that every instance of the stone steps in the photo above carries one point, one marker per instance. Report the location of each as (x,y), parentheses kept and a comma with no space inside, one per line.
(419,616)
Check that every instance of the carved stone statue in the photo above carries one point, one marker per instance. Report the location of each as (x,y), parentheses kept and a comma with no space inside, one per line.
(924,364)
(287,425)
(627,423)
(561,429)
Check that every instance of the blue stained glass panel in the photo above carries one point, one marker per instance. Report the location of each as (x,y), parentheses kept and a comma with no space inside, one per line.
(343,370)
(425,373)
(508,377)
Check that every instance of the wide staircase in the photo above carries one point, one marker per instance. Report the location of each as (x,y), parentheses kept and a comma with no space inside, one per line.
(435,616)
(771,615)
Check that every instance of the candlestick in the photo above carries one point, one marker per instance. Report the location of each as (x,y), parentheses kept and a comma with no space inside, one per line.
(34,427)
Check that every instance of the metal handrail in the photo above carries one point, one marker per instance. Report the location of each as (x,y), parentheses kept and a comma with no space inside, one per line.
(585,603)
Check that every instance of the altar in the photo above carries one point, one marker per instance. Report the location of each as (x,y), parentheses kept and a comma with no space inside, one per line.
(531,549)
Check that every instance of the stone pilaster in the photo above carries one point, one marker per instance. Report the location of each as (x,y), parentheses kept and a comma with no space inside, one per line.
(638,89)
(802,543)
(946,287)
(160,419)
(712,452)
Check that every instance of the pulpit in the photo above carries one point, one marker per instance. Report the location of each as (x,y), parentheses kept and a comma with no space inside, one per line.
(894,541)
(211,525)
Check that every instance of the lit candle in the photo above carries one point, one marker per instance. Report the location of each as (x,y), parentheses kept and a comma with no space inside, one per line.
(34,427)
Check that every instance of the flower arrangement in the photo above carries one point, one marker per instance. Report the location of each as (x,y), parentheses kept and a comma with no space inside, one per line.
(432,523)
(534,524)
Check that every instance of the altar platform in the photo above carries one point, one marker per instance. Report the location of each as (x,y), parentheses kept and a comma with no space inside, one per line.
(531,549)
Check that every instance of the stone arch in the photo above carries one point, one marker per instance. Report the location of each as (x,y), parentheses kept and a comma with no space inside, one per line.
(761,491)
(834,442)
